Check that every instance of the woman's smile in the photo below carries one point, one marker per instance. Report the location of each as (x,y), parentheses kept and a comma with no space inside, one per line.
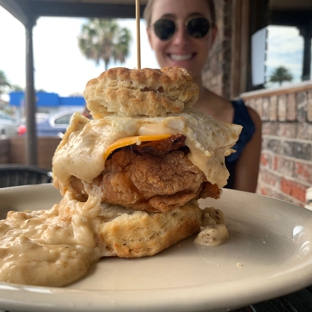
(180,57)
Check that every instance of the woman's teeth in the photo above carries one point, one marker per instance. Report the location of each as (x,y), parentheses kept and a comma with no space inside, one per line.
(180,57)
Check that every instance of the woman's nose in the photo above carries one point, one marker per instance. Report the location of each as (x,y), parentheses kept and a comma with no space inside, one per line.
(181,36)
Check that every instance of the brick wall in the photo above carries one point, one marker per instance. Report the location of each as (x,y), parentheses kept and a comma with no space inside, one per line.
(286,159)
(218,67)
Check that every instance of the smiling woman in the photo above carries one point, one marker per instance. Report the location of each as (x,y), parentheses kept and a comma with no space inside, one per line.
(182,34)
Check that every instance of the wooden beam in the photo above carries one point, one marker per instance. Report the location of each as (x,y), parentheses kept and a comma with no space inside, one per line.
(83,9)
(240,47)
(13,7)
(306,33)
(259,18)
(290,18)
(27,11)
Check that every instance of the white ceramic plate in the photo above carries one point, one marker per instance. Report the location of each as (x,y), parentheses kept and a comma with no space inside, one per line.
(268,255)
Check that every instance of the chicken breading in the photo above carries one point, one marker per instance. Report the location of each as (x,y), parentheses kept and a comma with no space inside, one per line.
(154,177)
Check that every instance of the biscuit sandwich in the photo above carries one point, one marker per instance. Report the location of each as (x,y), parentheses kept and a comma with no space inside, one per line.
(144,160)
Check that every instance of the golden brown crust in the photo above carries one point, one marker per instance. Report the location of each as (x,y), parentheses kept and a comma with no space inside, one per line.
(141,234)
(148,183)
(140,92)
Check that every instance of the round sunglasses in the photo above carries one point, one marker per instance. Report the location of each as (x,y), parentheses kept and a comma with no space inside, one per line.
(196,27)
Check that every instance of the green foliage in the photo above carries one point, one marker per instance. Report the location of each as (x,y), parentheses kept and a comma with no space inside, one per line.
(16,88)
(280,74)
(104,40)
(4,82)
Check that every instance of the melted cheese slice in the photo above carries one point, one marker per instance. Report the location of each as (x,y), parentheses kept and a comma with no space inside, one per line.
(133,140)
(87,143)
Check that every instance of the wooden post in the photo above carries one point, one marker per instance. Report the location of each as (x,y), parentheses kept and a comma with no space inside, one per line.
(31,136)
(306,33)
(137,16)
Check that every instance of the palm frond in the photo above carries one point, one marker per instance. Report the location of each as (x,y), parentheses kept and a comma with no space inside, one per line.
(104,40)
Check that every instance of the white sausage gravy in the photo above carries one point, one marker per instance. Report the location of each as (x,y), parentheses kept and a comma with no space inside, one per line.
(56,247)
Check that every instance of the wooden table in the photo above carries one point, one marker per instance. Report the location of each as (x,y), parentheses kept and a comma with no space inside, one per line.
(300,301)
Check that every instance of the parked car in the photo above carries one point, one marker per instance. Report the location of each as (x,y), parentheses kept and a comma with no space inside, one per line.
(22,123)
(8,125)
(52,125)
(56,124)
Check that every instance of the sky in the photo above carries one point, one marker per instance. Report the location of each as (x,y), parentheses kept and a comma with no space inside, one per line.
(285,48)
(60,67)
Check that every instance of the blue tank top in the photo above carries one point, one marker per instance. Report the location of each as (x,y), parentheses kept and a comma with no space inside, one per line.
(241,117)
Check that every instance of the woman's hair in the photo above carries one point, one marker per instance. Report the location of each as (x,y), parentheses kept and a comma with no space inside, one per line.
(149,7)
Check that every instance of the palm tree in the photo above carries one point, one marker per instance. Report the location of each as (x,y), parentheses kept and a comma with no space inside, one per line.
(16,87)
(104,40)
(4,82)
(280,74)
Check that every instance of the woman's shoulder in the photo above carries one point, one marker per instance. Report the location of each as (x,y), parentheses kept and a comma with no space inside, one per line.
(249,119)
(217,106)
(244,115)
(254,115)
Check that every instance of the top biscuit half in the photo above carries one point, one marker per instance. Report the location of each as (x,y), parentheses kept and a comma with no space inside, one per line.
(140,92)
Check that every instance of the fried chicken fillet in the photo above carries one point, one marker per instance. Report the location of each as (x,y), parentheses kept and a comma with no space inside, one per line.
(154,177)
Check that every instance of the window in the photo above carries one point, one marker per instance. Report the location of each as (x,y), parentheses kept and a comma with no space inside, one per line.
(63,120)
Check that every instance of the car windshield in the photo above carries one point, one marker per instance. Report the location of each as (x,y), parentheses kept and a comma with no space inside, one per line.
(6,117)
(63,120)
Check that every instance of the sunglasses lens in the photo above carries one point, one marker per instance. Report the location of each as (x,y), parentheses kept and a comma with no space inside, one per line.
(198,27)
(164,29)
